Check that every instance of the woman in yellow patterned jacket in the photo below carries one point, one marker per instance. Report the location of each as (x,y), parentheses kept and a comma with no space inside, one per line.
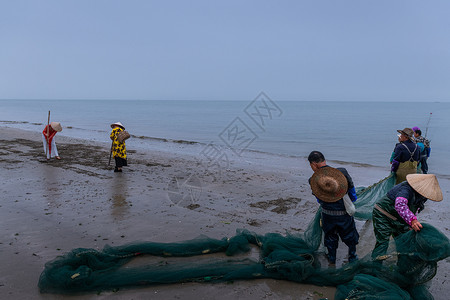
(119,150)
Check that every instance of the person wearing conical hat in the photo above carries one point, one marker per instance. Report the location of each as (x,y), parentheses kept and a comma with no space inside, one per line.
(406,155)
(329,186)
(395,213)
(48,139)
(119,149)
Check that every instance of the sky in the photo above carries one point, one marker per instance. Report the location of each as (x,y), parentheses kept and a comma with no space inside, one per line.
(347,50)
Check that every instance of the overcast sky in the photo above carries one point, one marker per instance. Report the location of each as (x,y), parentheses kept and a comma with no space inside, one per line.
(225,50)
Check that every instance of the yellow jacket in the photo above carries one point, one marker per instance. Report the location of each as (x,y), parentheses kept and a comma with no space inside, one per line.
(119,149)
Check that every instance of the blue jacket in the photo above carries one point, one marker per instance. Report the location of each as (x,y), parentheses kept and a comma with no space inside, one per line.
(415,200)
(405,151)
(424,145)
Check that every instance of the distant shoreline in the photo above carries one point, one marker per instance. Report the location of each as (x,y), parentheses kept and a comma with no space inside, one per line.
(347,132)
(193,148)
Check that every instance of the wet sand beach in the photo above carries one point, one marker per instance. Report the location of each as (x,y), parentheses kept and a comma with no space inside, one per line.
(49,208)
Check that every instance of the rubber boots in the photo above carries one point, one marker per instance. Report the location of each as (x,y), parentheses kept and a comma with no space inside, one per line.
(352,254)
(331,256)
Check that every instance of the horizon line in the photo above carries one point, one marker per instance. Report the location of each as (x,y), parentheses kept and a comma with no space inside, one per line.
(287,100)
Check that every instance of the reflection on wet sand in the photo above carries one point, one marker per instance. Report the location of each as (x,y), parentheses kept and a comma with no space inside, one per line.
(52,184)
(119,193)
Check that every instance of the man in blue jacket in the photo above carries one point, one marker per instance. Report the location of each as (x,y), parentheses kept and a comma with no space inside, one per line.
(425,149)
(406,155)
(330,185)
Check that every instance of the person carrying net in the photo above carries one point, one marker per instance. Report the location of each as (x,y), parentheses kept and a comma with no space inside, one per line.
(394,214)
(329,186)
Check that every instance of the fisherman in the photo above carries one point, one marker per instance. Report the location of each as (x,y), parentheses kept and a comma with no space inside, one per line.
(119,149)
(394,214)
(329,186)
(48,139)
(425,149)
(405,156)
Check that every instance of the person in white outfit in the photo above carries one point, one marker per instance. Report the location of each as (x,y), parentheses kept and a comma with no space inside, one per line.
(48,138)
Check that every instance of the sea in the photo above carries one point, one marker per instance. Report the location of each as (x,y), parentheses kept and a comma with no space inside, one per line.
(350,132)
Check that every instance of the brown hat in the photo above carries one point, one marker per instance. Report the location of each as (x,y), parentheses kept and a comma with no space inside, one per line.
(329,184)
(426,185)
(56,126)
(407,132)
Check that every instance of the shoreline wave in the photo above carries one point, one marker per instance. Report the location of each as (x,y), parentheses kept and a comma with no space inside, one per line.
(182,142)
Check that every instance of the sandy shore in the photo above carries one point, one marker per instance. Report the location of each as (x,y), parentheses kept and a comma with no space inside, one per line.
(49,208)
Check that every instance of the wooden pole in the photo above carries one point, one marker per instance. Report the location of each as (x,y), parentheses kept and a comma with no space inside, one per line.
(48,133)
(110,153)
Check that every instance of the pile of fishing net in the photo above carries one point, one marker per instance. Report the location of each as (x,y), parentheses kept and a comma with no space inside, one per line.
(401,274)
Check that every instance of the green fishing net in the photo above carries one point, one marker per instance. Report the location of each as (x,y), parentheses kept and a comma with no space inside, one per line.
(369,195)
(402,273)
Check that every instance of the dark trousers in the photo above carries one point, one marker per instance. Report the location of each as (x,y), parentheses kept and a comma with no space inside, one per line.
(424,164)
(120,162)
(339,226)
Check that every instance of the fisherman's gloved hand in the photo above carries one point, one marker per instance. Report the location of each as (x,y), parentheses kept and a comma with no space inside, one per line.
(352,194)
(394,166)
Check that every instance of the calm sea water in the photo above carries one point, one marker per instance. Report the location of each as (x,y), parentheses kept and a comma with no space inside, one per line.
(361,132)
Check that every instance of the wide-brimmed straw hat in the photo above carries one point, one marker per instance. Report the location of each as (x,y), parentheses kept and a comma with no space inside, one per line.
(56,126)
(117,124)
(407,132)
(426,185)
(329,184)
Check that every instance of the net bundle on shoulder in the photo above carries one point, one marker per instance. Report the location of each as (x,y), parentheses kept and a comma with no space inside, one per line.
(291,257)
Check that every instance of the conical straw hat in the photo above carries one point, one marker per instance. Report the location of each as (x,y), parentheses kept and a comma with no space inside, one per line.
(56,126)
(329,184)
(117,124)
(426,185)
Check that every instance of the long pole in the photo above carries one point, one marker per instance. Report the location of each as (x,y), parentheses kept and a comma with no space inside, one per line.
(110,153)
(429,118)
(48,133)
